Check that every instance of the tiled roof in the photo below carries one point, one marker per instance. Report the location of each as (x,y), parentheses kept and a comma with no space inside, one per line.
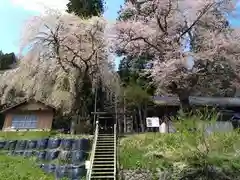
(8,107)
(194,100)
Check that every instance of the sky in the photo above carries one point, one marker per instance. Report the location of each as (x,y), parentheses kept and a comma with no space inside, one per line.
(13,14)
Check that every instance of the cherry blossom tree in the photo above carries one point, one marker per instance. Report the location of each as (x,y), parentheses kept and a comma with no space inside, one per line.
(40,80)
(65,56)
(163,29)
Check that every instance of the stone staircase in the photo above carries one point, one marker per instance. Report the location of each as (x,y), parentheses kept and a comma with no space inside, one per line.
(104,159)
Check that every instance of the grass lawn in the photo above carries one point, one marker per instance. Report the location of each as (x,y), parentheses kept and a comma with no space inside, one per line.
(23,135)
(18,168)
(180,151)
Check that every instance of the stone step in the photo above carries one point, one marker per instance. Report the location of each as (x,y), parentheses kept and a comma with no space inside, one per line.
(104,152)
(105,146)
(101,145)
(104,162)
(102,177)
(104,155)
(105,142)
(106,139)
(103,137)
(102,149)
(103,169)
(103,165)
(105,134)
(102,173)
(103,158)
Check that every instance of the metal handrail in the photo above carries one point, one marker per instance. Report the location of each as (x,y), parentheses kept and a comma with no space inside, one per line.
(89,172)
(115,151)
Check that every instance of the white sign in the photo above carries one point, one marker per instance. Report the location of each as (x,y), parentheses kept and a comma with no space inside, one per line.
(87,164)
(152,122)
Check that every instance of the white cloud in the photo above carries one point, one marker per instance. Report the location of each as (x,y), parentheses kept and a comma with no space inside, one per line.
(40,5)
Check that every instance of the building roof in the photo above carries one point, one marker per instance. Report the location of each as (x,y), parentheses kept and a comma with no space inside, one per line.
(7,108)
(194,100)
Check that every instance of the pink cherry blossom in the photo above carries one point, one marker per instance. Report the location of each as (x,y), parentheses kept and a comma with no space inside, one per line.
(161,28)
(61,50)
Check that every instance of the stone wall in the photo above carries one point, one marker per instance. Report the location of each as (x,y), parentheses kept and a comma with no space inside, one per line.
(62,157)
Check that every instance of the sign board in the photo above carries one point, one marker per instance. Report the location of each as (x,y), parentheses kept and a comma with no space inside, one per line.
(87,164)
(152,122)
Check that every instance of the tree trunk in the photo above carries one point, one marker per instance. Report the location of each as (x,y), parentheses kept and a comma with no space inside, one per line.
(73,124)
(141,119)
(119,116)
(78,104)
(135,121)
(183,94)
(124,115)
(145,114)
(184,100)
(120,124)
(72,130)
(129,121)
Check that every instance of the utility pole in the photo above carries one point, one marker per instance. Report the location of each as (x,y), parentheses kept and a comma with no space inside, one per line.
(95,107)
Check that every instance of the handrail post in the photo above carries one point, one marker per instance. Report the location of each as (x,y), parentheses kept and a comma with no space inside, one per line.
(89,172)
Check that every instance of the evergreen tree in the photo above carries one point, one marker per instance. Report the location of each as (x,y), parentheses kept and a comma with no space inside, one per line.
(6,60)
(86,8)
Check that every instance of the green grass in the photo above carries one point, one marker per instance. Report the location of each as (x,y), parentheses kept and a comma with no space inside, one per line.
(163,150)
(182,153)
(23,135)
(18,168)
(30,135)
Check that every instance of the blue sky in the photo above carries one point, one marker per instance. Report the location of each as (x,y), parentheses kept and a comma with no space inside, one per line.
(13,13)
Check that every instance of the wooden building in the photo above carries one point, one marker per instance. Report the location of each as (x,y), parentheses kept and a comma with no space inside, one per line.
(28,115)
(170,105)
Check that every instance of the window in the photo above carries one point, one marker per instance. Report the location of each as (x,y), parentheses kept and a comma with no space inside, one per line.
(24,121)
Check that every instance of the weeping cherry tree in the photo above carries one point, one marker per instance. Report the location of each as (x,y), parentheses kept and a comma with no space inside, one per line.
(66,55)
